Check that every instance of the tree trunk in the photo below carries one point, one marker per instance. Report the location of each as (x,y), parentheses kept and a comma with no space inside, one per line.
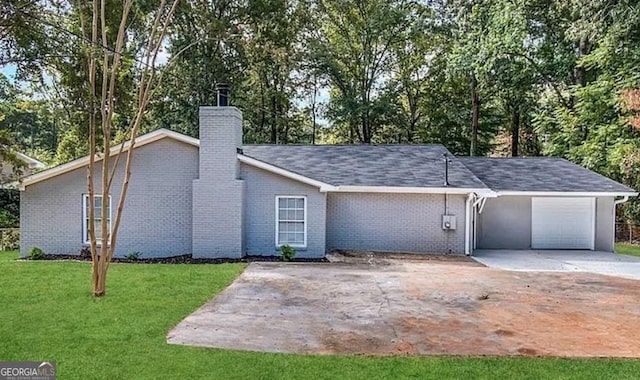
(581,72)
(313,111)
(274,120)
(99,277)
(515,132)
(475,115)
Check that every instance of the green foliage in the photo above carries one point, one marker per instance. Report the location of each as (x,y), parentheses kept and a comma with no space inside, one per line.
(10,239)
(133,256)
(72,145)
(35,253)
(352,50)
(628,249)
(9,208)
(287,252)
(549,76)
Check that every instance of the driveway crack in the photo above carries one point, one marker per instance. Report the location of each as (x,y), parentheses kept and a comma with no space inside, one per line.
(388,306)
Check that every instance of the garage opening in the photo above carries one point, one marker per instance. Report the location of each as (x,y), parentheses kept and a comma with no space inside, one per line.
(563,223)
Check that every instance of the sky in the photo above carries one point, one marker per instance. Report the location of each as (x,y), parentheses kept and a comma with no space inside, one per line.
(9,71)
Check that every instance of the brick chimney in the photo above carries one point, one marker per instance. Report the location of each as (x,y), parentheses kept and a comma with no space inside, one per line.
(218,194)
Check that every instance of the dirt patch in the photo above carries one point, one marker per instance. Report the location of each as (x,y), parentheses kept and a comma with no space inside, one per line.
(419,307)
(391,258)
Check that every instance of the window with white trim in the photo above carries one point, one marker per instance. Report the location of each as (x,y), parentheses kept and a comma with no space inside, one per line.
(97,202)
(291,221)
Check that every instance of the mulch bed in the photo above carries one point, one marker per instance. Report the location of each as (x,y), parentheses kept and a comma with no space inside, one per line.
(341,255)
(184,259)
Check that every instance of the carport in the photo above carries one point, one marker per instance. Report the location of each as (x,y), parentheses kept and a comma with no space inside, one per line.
(539,221)
(544,204)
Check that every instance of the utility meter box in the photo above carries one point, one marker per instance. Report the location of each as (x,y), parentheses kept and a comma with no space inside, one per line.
(449,222)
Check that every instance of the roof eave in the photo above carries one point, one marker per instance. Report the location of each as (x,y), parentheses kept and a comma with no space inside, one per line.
(567,193)
(414,190)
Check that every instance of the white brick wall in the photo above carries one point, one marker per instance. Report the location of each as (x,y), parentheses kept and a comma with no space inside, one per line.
(394,222)
(260,227)
(157,217)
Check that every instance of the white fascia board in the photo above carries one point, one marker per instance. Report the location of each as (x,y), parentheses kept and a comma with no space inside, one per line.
(568,193)
(285,173)
(84,161)
(413,190)
(29,160)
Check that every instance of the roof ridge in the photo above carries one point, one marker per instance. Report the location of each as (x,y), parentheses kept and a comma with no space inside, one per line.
(512,158)
(343,144)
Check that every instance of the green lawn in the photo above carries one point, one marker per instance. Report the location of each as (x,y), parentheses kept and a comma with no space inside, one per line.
(47,313)
(628,249)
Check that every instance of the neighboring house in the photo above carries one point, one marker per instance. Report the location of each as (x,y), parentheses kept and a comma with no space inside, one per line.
(216,197)
(9,172)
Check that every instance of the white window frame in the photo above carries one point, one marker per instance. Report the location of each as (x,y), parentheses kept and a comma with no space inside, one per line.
(85,227)
(277,218)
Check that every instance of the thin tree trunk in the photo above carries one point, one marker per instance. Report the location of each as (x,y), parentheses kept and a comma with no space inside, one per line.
(101,256)
(515,132)
(274,120)
(263,107)
(475,115)
(581,72)
(313,110)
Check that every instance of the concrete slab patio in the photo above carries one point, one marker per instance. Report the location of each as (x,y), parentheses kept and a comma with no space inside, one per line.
(388,307)
(561,261)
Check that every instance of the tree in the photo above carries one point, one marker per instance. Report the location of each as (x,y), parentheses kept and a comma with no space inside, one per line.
(271,39)
(108,54)
(353,50)
(206,48)
(23,42)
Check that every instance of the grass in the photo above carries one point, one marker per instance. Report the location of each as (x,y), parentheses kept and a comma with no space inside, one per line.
(47,313)
(628,249)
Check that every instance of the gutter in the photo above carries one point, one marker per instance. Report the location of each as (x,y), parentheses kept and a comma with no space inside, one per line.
(411,190)
(621,201)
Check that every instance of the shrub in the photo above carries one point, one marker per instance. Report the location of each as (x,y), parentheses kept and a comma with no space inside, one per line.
(9,208)
(133,256)
(36,253)
(287,252)
(8,220)
(85,252)
(10,239)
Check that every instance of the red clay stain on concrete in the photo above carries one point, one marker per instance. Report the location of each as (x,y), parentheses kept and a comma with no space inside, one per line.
(435,307)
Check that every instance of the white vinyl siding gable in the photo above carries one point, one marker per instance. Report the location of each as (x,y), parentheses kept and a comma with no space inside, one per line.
(291,221)
(97,201)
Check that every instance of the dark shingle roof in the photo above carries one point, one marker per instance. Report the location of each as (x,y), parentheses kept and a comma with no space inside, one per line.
(368,165)
(539,174)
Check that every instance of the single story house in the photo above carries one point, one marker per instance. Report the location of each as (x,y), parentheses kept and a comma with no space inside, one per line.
(215,197)
(9,173)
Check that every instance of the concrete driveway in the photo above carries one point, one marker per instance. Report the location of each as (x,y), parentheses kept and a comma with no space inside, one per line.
(411,307)
(606,263)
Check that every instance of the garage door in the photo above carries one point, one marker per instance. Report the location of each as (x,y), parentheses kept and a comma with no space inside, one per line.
(562,223)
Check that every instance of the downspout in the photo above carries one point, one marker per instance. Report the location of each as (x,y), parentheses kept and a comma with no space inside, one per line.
(616,202)
(467,225)
(481,202)
(620,201)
